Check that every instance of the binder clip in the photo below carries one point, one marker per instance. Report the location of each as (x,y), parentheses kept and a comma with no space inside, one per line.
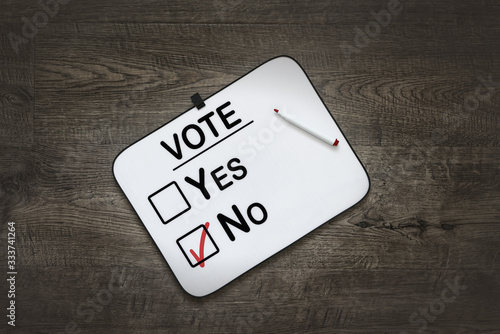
(197,101)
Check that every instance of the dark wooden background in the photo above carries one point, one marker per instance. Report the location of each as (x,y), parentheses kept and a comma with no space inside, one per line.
(418,98)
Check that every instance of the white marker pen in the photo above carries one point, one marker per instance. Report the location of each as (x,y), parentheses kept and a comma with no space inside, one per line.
(329,141)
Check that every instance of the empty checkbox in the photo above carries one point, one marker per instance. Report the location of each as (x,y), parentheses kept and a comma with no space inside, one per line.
(169,202)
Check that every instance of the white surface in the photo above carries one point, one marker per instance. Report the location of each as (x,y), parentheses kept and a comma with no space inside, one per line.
(299,180)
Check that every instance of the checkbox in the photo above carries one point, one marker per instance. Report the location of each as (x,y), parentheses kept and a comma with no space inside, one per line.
(169,202)
(198,246)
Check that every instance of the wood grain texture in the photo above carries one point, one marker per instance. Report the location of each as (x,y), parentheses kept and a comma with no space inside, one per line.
(419,101)
(16,92)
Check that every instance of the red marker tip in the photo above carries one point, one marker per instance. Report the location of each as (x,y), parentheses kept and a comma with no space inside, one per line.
(276,110)
(336,142)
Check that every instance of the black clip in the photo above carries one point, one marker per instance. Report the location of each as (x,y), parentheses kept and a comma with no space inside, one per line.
(197,101)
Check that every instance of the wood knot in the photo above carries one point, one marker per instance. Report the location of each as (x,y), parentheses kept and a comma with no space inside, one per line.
(363,224)
(447,227)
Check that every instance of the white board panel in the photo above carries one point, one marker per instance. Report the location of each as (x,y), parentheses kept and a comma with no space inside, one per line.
(222,188)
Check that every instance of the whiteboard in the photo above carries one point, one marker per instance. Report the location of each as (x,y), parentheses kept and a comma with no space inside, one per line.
(222,188)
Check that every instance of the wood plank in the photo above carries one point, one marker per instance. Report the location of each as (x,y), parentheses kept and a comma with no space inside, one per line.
(190,11)
(16,91)
(255,12)
(322,300)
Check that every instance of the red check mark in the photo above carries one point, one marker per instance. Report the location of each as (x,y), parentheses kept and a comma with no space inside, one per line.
(202,246)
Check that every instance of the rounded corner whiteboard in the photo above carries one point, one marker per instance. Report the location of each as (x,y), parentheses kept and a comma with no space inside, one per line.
(224,187)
